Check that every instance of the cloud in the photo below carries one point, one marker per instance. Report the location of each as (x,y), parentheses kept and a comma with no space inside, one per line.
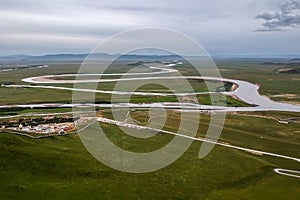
(68,26)
(285,19)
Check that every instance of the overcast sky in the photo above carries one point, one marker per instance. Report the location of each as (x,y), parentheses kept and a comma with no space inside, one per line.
(266,27)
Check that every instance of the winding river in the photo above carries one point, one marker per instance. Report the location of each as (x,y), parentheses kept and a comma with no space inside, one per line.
(246,91)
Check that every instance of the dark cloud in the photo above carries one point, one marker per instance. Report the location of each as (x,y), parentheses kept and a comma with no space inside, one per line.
(282,20)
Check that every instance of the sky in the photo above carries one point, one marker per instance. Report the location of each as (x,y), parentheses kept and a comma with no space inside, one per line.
(222,27)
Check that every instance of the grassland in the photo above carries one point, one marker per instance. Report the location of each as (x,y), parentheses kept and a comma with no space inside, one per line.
(277,86)
(61,167)
(37,95)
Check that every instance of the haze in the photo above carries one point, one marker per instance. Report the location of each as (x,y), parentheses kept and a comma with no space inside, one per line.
(223,27)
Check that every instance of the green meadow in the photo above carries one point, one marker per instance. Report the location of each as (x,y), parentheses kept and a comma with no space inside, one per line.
(61,167)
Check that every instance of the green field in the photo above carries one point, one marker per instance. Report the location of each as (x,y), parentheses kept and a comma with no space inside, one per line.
(61,168)
(280,87)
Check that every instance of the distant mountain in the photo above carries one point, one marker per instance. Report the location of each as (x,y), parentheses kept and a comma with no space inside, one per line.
(295,60)
(14,57)
(24,59)
(270,63)
(291,62)
(59,57)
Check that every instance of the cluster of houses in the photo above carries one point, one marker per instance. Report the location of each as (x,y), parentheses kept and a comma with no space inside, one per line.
(46,128)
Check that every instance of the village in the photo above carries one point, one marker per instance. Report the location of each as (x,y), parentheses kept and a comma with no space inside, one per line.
(44,125)
(60,128)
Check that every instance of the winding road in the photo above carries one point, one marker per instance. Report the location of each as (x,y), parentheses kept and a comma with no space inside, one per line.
(245,91)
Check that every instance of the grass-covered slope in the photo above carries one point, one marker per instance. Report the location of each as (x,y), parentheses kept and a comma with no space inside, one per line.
(61,168)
